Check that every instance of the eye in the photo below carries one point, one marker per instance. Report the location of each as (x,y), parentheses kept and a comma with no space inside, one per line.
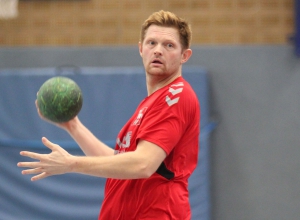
(151,42)
(170,45)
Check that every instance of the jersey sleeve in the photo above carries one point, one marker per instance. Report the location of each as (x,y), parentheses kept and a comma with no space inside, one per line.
(166,121)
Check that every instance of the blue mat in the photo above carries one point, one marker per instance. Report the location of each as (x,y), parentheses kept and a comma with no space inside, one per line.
(110,97)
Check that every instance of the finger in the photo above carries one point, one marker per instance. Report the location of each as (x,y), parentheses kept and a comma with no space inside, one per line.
(29,164)
(32,171)
(49,144)
(37,106)
(40,176)
(38,109)
(31,155)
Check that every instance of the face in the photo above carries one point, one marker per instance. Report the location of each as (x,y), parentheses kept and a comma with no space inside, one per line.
(162,52)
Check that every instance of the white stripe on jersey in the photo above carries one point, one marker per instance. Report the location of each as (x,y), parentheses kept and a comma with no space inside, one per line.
(171,101)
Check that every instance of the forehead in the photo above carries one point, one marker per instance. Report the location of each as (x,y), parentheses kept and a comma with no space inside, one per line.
(168,33)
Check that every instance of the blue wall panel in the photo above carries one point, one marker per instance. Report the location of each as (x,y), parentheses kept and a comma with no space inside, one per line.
(110,97)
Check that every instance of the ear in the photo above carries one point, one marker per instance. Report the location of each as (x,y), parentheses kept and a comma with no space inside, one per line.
(140,48)
(186,55)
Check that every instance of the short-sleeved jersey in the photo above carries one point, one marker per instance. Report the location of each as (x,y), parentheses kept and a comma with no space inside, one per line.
(169,118)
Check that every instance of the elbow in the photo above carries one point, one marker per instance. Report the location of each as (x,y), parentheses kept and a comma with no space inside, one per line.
(146,174)
(145,171)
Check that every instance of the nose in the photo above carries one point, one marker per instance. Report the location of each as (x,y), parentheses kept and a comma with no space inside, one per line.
(158,50)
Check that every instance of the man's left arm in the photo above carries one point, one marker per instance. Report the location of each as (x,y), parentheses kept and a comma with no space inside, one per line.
(141,163)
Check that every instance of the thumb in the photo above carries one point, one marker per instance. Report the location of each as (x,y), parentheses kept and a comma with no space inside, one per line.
(48,143)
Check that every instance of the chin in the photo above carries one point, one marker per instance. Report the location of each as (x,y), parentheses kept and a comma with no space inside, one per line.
(156,71)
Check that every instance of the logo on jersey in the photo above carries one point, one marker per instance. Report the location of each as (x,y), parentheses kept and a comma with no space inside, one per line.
(125,143)
(138,119)
(174,90)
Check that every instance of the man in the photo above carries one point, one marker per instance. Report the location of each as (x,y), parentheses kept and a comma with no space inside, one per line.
(156,150)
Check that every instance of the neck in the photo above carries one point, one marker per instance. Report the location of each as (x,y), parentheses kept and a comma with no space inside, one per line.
(155,83)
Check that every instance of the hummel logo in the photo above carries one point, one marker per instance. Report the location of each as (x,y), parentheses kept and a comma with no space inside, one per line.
(178,84)
(175,91)
(170,101)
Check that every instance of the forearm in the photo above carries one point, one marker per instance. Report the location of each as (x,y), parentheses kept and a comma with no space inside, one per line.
(141,163)
(121,166)
(89,144)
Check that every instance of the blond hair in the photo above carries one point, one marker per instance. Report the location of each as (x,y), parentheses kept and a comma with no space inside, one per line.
(169,19)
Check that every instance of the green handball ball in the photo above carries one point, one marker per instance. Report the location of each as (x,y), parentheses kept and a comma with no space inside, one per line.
(59,99)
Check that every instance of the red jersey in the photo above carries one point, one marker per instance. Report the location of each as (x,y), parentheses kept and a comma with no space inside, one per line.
(169,118)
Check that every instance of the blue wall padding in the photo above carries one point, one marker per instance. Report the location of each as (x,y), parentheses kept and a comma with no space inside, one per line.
(110,97)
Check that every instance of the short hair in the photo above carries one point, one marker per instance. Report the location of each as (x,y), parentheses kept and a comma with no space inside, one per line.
(169,19)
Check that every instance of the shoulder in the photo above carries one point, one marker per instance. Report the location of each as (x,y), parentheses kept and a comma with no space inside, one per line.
(177,94)
(180,91)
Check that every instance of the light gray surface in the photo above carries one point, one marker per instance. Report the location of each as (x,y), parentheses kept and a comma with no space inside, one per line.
(255,92)
(255,155)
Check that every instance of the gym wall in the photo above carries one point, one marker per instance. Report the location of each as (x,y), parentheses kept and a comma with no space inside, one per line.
(114,22)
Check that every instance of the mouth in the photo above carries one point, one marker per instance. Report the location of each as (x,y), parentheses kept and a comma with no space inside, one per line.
(156,61)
